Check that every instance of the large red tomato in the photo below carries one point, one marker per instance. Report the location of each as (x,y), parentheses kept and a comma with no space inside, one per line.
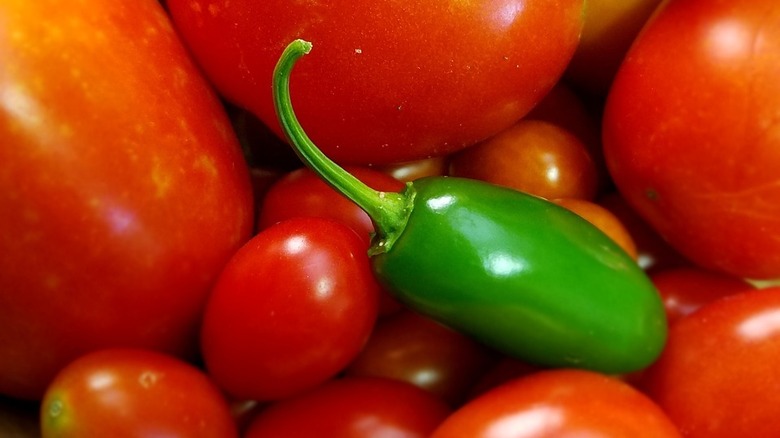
(122,188)
(718,376)
(387,80)
(692,131)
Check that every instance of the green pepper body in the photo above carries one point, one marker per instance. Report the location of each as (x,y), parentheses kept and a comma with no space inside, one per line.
(525,276)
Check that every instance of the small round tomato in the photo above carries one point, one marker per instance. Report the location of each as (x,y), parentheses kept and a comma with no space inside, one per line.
(410,347)
(290,310)
(388,81)
(558,403)
(685,289)
(353,407)
(718,374)
(302,193)
(533,156)
(134,393)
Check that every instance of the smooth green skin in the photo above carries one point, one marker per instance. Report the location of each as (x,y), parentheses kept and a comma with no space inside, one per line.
(524,276)
(518,273)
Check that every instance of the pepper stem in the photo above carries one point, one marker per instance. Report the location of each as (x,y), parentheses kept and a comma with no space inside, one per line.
(388,210)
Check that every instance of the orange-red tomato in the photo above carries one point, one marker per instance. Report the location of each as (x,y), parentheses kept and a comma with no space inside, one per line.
(533,156)
(559,403)
(603,219)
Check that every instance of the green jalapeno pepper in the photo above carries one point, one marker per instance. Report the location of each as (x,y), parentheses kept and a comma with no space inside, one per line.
(516,272)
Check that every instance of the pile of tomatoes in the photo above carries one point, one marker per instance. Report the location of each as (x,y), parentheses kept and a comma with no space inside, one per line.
(169,268)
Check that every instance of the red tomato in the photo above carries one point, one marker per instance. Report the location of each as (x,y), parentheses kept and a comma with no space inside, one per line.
(134,393)
(290,310)
(123,191)
(387,81)
(559,403)
(690,132)
(532,156)
(413,348)
(303,193)
(353,407)
(685,289)
(717,377)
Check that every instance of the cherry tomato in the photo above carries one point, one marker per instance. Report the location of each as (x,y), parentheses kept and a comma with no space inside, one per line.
(389,81)
(134,393)
(532,156)
(685,289)
(302,193)
(412,170)
(559,403)
(290,310)
(603,219)
(410,347)
(718,374)
(690,132)
(123,190)
(353,407)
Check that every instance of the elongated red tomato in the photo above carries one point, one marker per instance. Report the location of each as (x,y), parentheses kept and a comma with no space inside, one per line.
(389,80)
(123,190)
(290,310)
(691,132)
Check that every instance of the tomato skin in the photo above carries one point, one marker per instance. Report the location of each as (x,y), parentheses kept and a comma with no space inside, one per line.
(290,310)
(353,407)
(413,348)
(122,189)
(690,132)
(389,81)
(134,393)
(717,375)
(559,403)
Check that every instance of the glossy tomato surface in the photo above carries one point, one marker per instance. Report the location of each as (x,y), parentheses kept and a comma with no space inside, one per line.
(718,374)
(559,403)
(134,393)
(691,132)
(388,81)
(353,407)
(290,310)
(123,190)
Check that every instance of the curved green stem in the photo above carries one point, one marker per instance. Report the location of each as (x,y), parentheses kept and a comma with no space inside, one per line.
(388,210)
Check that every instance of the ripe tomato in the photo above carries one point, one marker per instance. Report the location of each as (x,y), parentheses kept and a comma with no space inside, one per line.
(416,349)
(717,377)
(685,289)
(122,188)
(532,156)
(134,393)
(691,132)
(353,407)
(603,219)
(558,403)
(290,310)
(389,81)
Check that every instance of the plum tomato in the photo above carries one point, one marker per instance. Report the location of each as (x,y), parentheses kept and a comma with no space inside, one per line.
(718,374)
(685,289)
(532,156)
(389,81)
(353,407)
(558,403)
(290,310)
(414,348)
(134,393)
(692,133)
